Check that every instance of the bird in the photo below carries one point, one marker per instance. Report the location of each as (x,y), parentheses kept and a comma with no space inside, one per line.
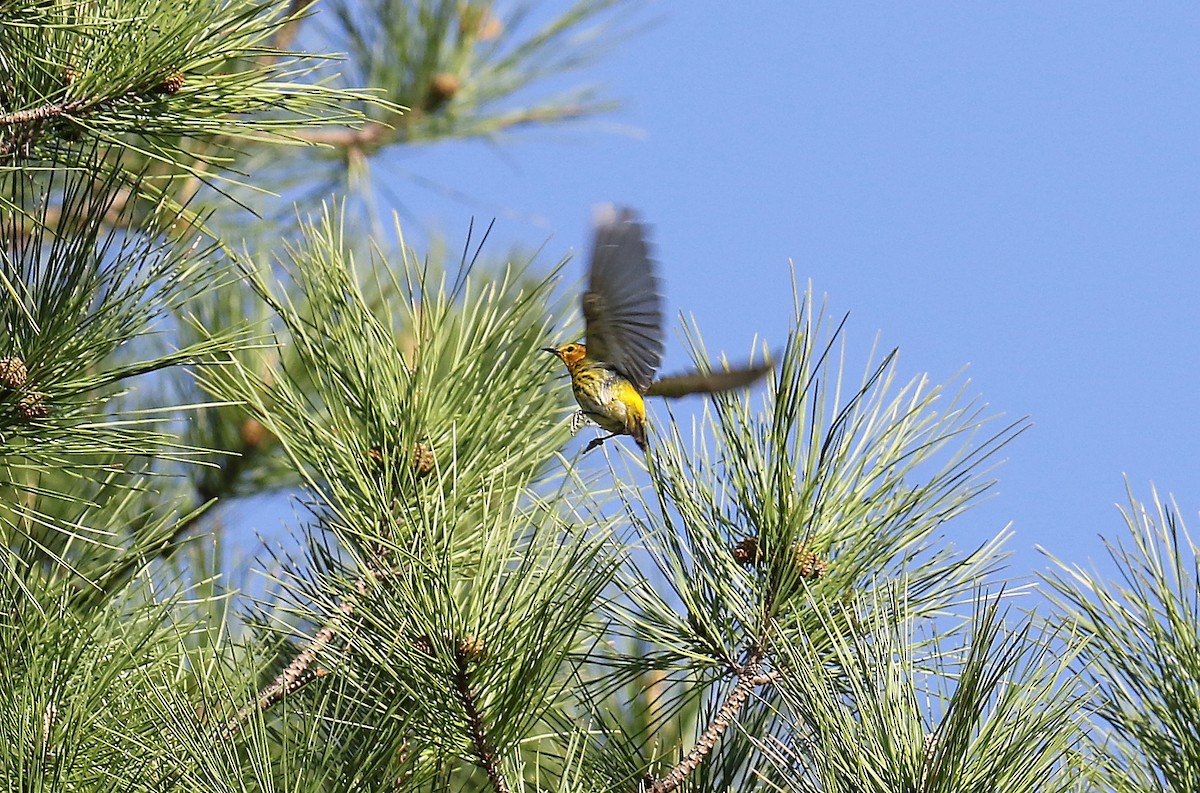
(614,369)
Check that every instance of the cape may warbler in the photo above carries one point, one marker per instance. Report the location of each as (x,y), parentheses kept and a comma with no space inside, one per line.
(622,309)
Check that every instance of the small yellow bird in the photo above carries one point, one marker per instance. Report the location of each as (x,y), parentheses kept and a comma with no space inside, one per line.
(622,309)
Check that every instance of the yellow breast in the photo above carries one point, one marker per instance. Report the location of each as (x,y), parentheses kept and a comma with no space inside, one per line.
(608,398)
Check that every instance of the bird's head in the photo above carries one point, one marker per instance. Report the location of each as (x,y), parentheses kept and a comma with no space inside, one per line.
(570,354)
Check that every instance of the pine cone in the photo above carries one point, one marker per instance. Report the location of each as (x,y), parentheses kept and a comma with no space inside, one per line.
(13,374)
(811,565)
(471,647)
(253,434)
(746,552)
(442,89)
(172,84)
(33,406)
(423,459)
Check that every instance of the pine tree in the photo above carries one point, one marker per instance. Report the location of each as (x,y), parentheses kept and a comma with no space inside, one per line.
(769,602)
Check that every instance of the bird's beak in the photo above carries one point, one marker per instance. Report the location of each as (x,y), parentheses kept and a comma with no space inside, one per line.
(550,350)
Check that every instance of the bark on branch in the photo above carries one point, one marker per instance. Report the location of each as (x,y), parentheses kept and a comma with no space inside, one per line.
(297,674)
(484,751)
(750,676)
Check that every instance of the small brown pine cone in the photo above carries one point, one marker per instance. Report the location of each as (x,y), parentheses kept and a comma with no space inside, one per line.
(423,459)
(13,374)
(747,552)
(172,84)
(491,29)
(471,647)
(475,20)
(423,644)
(33,406)
(253,434)
(442,89)
(811,565)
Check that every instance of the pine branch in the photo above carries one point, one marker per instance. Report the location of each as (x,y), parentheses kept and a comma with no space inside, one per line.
(42,113)
(297,673)
(374,135)
(484,751)
(199,78)
(462,71)
(751,677)
(371,134)
(30,123)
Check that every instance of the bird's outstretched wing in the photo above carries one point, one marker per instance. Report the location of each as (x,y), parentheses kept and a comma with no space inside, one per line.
(706,382)
(622,305)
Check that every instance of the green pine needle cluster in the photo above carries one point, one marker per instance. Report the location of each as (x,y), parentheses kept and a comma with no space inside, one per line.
(871,715)
(1142,652)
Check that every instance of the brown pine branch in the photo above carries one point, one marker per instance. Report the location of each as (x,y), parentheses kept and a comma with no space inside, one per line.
(27,124)
(42,113)
(484,751)
(369,135)
(297,675)
(374,135)
(750,676)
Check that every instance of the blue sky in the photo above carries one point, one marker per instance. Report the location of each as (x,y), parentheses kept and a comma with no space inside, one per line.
(1010,186)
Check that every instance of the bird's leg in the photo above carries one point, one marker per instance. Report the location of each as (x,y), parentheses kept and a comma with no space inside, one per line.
(594,442)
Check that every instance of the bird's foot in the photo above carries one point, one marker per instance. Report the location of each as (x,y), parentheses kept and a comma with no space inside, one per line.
(579,420)
(594,442)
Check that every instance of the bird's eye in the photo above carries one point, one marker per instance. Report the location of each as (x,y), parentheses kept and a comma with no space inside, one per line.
(570,348)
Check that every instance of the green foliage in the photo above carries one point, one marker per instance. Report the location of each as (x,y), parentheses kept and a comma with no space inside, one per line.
(1143,649)
(1000,713)
(457,561)
(826,490)
(82,307)
(385,375)
(464,70)
(84,689)
(148,79)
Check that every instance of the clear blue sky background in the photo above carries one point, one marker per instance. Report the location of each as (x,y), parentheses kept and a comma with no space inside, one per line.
(1014,186)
